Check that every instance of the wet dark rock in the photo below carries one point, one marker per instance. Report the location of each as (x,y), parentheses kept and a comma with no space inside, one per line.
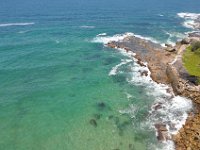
(168,45)
(139,61)
(161,127)
(170,49)
(161,136)
(162,132)
(93,122)
(144,73)
(158,106)
(185,41)
(111,45)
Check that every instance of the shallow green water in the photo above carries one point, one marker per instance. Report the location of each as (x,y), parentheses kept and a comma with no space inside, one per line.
(54,79)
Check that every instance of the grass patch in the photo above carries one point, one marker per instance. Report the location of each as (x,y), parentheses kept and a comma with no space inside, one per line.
(191,60)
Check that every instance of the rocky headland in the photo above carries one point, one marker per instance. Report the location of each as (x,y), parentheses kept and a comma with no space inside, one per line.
(166,66)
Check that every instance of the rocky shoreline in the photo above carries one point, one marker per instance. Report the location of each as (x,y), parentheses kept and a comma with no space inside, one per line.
(166,66)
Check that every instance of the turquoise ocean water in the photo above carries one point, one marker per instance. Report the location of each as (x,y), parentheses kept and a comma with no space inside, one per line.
(54,79)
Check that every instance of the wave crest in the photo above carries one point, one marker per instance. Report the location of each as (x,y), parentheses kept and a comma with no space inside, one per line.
(16,24)
(102,38)
(87,27)
(192,20)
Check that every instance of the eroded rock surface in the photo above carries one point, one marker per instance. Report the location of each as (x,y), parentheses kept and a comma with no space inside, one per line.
(147,51)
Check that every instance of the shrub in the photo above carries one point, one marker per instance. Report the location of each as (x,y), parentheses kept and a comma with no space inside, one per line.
(195,46)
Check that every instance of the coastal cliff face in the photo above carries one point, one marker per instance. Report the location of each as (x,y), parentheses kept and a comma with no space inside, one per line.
(166,66)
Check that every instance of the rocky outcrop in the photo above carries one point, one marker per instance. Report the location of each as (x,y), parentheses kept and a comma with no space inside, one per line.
(147,51)
(188,137)
(166,66)
(162,132)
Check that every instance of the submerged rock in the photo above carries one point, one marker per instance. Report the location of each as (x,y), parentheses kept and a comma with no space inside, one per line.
(93,122)
(110,117)
(162,132)
(97,116)
(101,104)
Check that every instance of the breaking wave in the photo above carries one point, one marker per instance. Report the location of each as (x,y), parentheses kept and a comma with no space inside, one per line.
(102,38)
(16,24)
(192,20)
(174,36)
(87,27)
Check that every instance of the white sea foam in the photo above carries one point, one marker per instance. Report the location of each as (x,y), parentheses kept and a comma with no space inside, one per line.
(87,27)
(102,34)
(22,32)
(161,15)
(107,39)
(16,24)
(167,145)
(131,111)
(116,68)
(187,15)
(128,95)
(189,24)
(102,38)
(192,20)
(176,35)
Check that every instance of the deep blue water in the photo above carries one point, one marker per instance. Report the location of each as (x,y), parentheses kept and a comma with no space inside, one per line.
(54,79)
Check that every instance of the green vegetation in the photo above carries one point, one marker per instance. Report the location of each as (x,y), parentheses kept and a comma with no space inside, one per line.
(195,47)
(191,60)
